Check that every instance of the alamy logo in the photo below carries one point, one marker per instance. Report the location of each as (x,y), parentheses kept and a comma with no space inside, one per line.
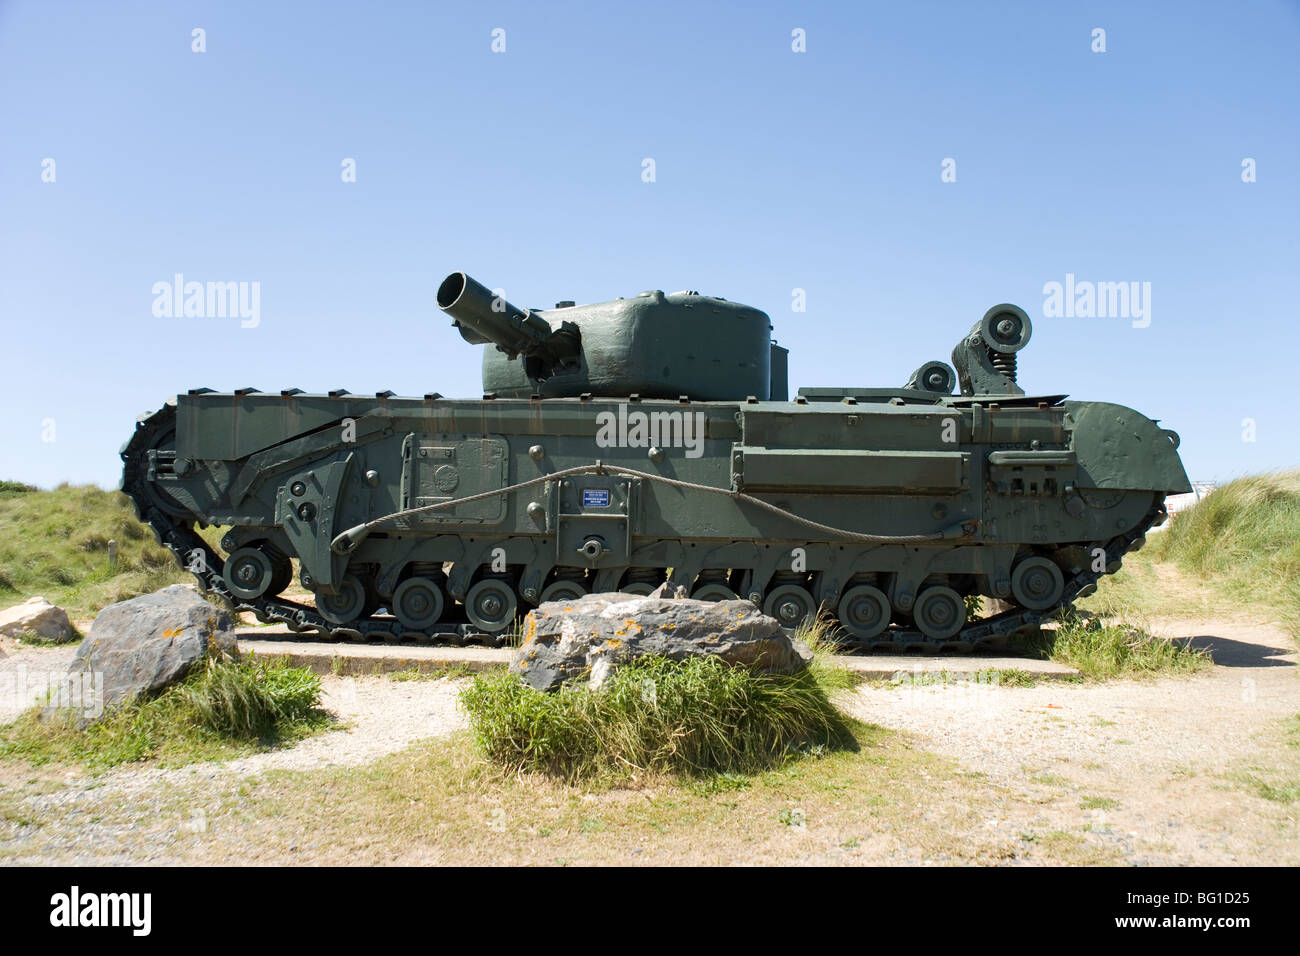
(81,692)
(103,909)
(1098,300)
(208,300)
(638,429)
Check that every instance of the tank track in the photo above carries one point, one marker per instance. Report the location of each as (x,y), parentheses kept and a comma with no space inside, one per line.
(183,541)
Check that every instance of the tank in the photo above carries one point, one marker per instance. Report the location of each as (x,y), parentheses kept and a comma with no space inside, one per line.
(625,444)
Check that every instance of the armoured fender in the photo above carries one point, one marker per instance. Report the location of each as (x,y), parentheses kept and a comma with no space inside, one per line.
(1119,448)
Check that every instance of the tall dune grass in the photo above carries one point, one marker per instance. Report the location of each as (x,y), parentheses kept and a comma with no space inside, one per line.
(1244,538)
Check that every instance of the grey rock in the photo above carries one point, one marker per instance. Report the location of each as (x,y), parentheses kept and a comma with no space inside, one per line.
(144,645)
(37,616)
(592,636)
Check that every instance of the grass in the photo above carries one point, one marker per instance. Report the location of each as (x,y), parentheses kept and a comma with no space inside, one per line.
(55,544)
(1102,648)
(1098,803)
(32,639)
(696,717)
(224,708)
(984,677)
(1243,540)
(1245,537)
(1280,781)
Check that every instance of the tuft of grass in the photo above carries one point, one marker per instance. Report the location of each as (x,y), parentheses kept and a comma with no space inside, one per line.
(1098,803)
(1100,649)
(698,717)
(513,636)
(1278,781)
(32,639)
(251,700)
(224,708)
(55,544)
(1049,780)
(1244,537)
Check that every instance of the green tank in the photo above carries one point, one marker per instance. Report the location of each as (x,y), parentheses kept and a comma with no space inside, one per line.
(624,444)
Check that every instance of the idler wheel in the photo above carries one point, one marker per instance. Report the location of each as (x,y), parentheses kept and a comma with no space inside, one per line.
(789,604)
(864,611)
(564,591)
(713,592)
(491,605)
(1037,583)
(418,603)
(939,612)
(249,573)
(1006,328)
(345,606)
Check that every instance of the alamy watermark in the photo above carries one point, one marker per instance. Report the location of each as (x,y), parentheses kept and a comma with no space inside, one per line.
(1098,300)
(81,693)
(638,429)
(918,685)
(208,300)
(130,910)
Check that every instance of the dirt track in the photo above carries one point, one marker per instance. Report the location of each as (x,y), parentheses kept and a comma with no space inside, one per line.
(1168,754)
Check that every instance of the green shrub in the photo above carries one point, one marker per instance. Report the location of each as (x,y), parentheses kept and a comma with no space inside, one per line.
(224,708)
(697,716)
(251,700)
(1101,649)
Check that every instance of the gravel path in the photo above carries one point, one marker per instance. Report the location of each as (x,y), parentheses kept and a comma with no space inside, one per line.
(27,672)
(1144,757)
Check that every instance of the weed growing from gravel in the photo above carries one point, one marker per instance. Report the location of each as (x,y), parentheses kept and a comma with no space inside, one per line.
(1100,650)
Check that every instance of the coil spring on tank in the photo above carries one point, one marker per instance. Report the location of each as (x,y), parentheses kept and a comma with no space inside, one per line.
(652,576)
(782,578)
(1004,362)
(428,569)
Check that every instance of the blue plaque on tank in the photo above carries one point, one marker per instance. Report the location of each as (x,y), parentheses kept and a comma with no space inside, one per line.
(595,497)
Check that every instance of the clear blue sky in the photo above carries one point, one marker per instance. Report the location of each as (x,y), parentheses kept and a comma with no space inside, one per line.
(775,170)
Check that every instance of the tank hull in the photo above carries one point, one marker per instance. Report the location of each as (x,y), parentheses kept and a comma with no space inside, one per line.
(888,503)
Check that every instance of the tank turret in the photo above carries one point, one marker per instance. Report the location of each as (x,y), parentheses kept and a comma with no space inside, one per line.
(654,345)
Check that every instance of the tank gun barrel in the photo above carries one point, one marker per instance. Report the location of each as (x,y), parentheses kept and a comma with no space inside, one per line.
(483,317)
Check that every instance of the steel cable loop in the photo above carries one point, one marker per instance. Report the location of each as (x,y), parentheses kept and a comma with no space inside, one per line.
(353,536)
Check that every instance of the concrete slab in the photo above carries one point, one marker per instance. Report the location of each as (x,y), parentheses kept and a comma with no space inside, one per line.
(325,657)
(891,666)
(357,659)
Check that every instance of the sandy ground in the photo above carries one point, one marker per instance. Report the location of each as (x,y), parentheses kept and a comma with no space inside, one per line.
(1158,757)
(1155,767)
